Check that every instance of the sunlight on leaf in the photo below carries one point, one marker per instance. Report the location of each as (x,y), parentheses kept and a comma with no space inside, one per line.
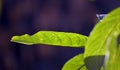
(96,44)
(101,32)
(52,38)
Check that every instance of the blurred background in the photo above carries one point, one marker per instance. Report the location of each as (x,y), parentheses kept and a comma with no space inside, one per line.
(18,17)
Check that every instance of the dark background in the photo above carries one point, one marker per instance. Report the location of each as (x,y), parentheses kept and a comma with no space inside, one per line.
(29,16)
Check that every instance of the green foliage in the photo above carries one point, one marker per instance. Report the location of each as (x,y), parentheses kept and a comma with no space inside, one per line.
(113,50)
(52,38)
(94,62)
(76,63)
(101,47)
(96,44)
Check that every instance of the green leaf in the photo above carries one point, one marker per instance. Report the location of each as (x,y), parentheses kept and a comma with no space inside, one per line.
(94,62)
(112,61)
(52,38)
(76,63)
(96,44)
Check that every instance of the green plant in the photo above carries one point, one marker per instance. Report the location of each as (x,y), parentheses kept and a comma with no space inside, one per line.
(102,47)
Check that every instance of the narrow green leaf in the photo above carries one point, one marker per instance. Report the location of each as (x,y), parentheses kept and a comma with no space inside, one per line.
(112,61)
(95,45)
(76,63)
(52,38)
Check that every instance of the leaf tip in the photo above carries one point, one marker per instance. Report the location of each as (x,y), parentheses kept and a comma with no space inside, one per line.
(14,38)
(24,39)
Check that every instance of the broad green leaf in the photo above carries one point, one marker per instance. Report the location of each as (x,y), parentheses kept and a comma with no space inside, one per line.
(52,38)
(76,63)
(112,61)
(95,45)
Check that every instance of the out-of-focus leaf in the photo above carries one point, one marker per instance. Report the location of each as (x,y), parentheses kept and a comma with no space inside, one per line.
(95,45)
(94,62)
(76,63)
(52,38)
(112,61)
